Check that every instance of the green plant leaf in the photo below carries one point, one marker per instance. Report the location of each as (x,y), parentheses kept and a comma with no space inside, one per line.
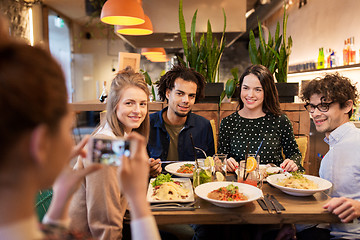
(252,49)
(261,43)
(235,72)
(153,92)
(181,61)
(277,31)
(182,27)
(230,87)
(193,28)
(147,78)
(222,96)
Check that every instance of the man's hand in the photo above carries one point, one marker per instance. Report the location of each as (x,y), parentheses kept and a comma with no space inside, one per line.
(155,167)
(231,164)
(345,208)
(289,165)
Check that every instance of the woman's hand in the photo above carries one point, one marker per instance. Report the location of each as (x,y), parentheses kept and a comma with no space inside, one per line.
(134,176)
(289,165)
(231,164)
(345,208)
(155,167)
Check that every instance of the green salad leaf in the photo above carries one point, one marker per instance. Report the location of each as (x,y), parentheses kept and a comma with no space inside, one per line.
(160,179)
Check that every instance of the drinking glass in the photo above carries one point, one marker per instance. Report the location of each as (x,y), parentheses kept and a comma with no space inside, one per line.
(219,167)
(202,174)
(254,177)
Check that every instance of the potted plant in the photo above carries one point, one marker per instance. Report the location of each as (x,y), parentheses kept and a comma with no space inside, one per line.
(275,56)
(204,56)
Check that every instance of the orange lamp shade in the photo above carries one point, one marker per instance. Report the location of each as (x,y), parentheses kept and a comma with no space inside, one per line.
(142,29)
(152,51)
(157,58)
(122,12)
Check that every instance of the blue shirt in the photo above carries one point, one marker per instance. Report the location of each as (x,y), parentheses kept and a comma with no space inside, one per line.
(198,126)
(341,166)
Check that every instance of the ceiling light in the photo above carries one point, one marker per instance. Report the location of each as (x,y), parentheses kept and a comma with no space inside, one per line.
(157,58)
(122,12)
(142,29)
(152,51)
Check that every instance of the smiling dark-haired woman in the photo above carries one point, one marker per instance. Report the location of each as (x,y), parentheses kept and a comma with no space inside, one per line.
(259,118)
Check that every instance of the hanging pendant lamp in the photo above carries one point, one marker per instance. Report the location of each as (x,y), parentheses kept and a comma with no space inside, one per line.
(122,12)
(142,29)
(152,51)
(157,58)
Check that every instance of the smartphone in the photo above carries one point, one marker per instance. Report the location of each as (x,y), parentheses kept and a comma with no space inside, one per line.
(107,150)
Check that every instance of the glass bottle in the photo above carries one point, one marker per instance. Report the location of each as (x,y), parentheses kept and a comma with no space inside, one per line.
(346,53)
(104,94)
(321,59)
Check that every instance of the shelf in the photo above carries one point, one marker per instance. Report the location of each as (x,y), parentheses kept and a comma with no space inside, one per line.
(328,69)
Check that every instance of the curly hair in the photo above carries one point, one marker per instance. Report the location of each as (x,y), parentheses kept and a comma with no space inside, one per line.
(332,87)
(271,102)
(188,74)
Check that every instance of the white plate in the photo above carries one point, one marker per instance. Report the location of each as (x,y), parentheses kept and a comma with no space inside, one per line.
(173,167)
(251,192)
(322,184)
(186,183)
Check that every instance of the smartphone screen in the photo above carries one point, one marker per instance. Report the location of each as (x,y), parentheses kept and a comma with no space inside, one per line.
(108,151)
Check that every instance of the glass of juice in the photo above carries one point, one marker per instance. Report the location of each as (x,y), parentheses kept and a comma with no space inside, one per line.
(251,173)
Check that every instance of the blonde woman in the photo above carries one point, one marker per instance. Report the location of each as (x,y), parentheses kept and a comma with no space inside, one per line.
(99,206)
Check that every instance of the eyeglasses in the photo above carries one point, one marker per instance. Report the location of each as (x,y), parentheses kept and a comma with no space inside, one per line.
(323,107)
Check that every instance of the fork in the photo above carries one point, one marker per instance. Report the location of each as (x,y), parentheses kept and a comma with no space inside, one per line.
(160,205)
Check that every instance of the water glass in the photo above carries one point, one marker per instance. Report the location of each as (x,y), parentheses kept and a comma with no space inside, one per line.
(202,174)
(254,177)
(219,167)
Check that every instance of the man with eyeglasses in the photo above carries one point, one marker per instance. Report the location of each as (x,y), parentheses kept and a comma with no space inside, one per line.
(330,101)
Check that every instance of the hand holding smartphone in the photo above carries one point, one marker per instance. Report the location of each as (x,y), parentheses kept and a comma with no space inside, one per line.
(107,150)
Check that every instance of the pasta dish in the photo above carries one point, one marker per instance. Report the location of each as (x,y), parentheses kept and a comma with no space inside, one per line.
(186,168)
(170,191)
(229,193)
(298,182)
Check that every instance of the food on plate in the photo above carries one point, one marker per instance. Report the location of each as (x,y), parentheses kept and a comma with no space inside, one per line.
(170,191)
(267,170)
(298,181)
(165,188)
(228,193)
(160,179)
(186,168)
(251,164)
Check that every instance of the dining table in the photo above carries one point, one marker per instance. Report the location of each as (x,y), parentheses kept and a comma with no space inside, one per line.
(298,210)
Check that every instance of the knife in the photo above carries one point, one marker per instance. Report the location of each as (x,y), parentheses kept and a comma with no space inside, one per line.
(277,202)
(275,207)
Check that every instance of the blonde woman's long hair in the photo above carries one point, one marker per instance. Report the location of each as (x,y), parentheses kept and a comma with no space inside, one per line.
(124,79)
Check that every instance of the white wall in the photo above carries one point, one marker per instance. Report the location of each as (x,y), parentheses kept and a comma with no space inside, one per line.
(321,23)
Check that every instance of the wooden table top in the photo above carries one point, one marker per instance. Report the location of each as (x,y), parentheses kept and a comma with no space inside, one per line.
(298,210)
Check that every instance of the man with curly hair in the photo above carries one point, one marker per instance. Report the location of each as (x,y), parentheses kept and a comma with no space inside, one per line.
(170,128)
(330,101)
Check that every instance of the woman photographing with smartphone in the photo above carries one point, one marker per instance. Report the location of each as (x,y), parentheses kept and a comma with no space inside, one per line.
(99,206)
(259,119)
